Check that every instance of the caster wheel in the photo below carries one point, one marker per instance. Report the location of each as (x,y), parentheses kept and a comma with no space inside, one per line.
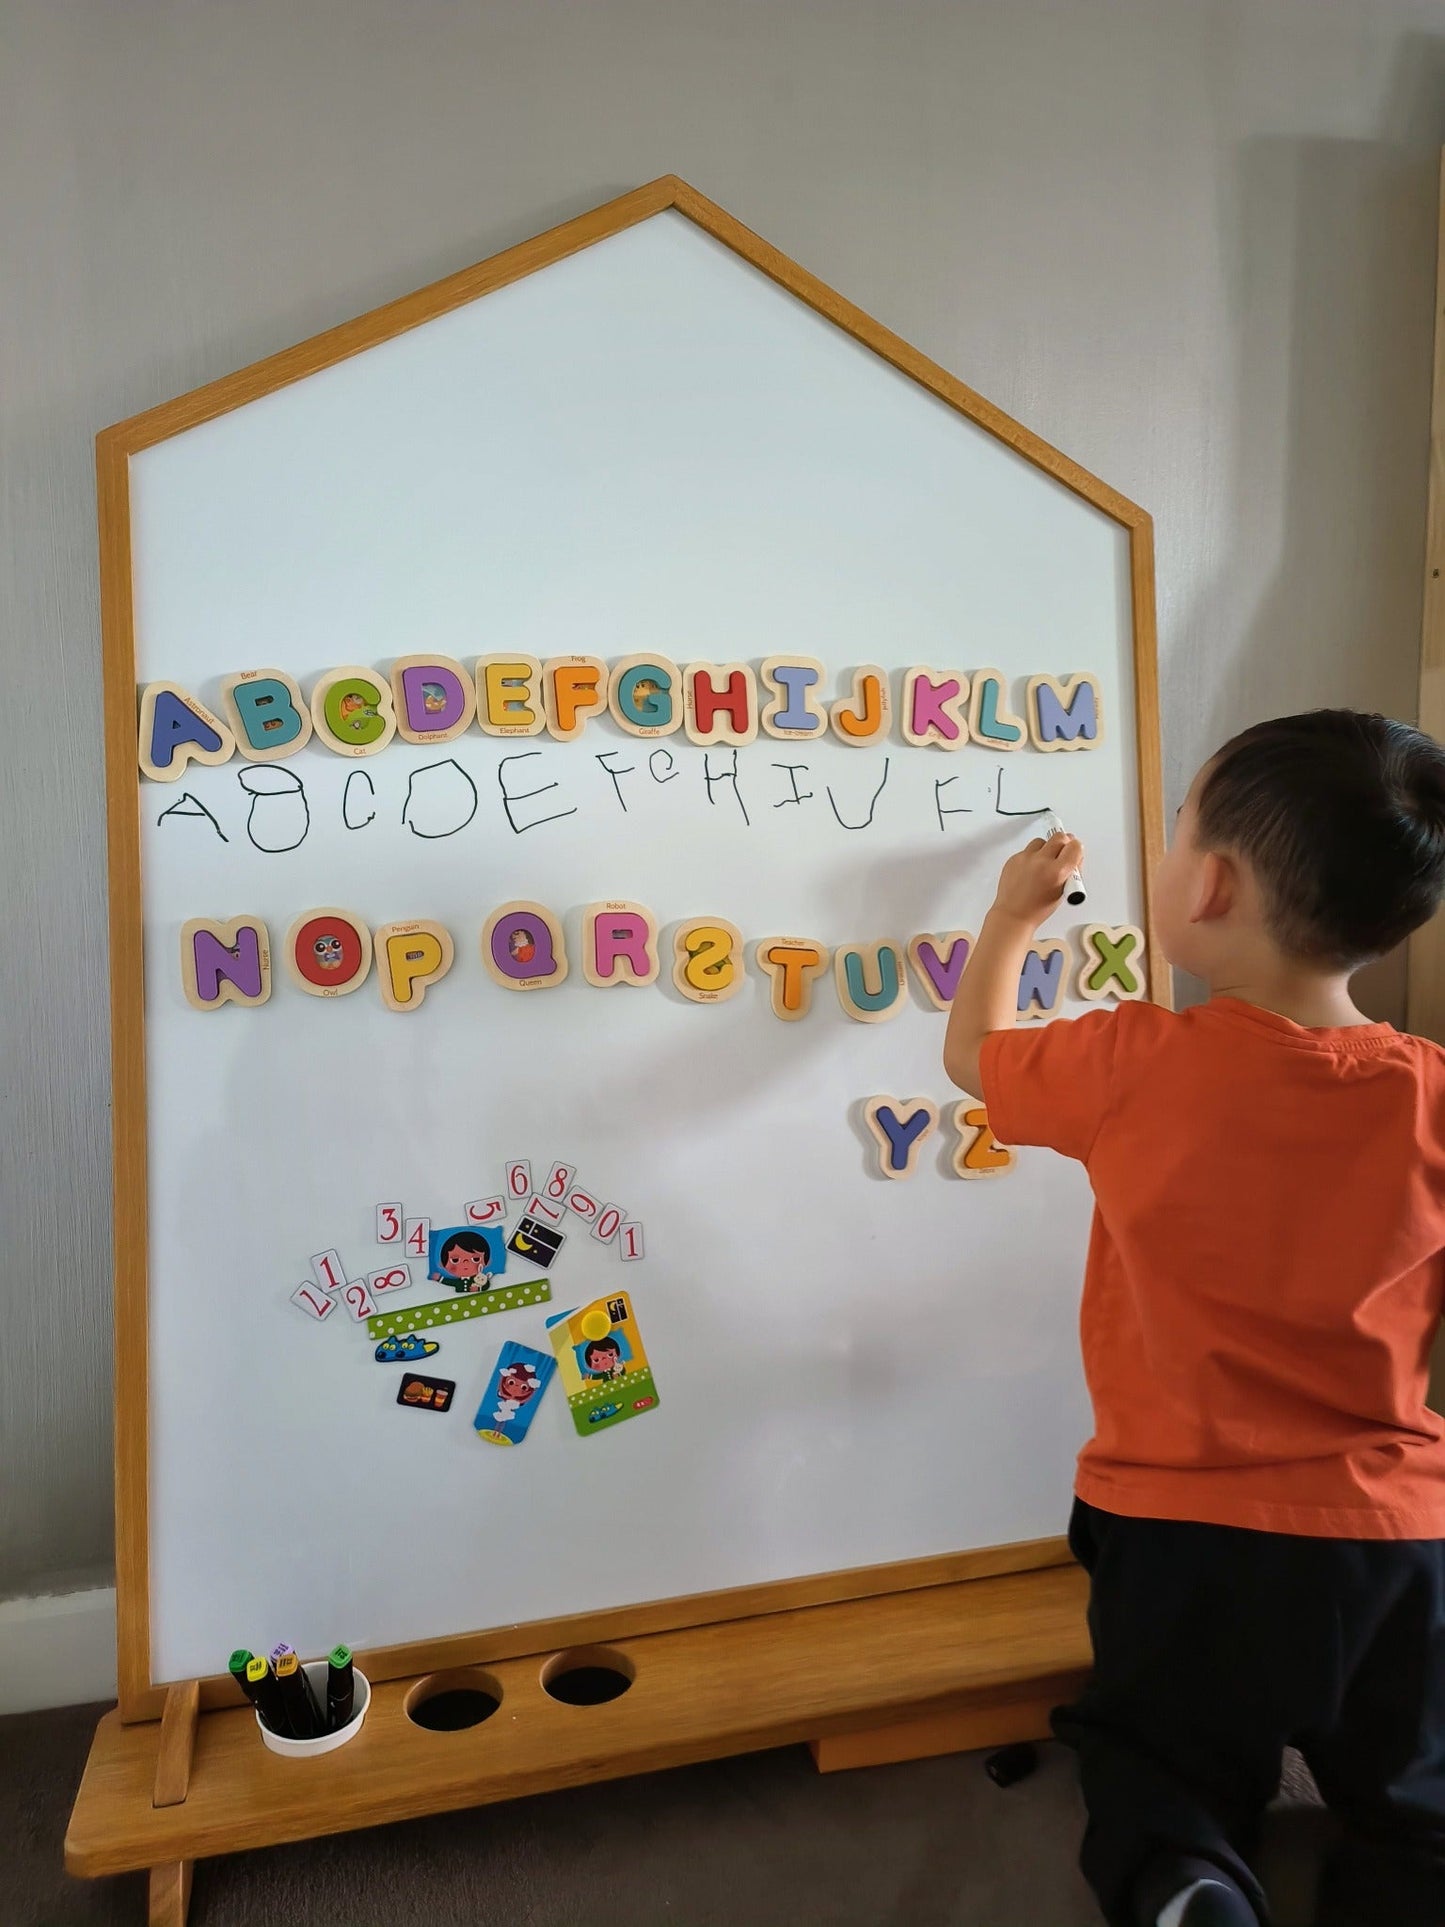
(1012,1763)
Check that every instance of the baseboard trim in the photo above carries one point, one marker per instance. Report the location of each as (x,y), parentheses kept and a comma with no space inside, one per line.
(57,1649)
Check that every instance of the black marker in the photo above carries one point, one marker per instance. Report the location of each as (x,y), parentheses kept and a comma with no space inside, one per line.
(269,1709)
(1074,892)
(340,1686)
(296,1700)
(236,1666)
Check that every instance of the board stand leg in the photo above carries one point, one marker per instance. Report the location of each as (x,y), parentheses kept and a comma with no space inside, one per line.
(170,1894)
(177,1743)
(986,1719)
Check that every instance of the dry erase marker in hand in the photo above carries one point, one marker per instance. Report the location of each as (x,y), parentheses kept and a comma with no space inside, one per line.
(1074,892)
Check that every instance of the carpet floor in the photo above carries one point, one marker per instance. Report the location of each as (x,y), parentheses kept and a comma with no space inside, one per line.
(763,1840)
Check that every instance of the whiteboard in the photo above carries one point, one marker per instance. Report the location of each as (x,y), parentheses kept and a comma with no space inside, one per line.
(648,445)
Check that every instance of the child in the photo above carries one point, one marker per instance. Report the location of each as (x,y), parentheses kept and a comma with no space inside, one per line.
(1261,1509)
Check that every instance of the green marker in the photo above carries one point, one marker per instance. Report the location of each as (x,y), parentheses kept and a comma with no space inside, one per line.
(236,1666)
(340,1685)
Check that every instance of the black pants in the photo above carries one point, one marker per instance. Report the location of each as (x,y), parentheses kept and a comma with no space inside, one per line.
(1213,1648)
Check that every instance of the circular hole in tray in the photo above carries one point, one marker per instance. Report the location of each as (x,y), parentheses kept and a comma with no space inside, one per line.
(588,1676)
(452,1702)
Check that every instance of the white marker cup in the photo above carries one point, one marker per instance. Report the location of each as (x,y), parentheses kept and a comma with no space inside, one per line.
(327,1742)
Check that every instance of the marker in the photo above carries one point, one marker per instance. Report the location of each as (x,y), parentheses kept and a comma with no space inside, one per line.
(236,1666)
(340,1686)
(271,1712)
(296,1700)
(1074,892)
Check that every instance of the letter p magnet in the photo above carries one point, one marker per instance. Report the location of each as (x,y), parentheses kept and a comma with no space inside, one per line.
(411,957)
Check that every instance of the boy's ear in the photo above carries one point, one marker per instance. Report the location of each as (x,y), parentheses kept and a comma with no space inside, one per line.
(1217,889)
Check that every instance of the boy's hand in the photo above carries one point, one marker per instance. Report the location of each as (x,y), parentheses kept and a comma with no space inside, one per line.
(1032,882)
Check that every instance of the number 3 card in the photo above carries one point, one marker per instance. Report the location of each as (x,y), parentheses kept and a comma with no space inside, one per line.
(603,1364)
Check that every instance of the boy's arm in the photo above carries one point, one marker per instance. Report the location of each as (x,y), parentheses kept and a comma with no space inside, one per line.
(1029,887)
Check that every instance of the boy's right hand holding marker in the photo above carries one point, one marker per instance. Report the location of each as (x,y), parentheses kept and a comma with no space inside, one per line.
(1030,886)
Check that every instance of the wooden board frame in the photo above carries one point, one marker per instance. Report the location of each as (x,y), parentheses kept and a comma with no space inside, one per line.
(1425,1002)
(142,1697)
(1425,980)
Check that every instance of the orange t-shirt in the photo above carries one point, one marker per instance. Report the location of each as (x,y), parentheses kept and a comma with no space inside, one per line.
(1265,1270)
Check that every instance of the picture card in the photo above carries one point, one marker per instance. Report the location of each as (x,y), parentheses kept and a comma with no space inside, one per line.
(537,1243)
(452,1311)
(466,1256)
(603,1363)
(514,1391)
(405,1350)
(427,1394)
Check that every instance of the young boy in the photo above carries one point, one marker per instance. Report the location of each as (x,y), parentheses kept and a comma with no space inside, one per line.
(1261,1509)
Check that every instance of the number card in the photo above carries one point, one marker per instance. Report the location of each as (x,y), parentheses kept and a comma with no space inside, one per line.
(609,1222)
(418,1234)
(538,1207)
(519,1178)
(486,1210)
(359,1301)
(584,1204)
(630,1241)
(328,1270)
(388,1224)
(389,1278)
(559,1182)
(313,1302)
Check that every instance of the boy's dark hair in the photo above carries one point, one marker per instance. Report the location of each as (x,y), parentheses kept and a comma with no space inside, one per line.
(1341,816)
(603,1345)
(466,1241)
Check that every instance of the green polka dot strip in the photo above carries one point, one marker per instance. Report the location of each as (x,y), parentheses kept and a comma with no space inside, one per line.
(451,1311)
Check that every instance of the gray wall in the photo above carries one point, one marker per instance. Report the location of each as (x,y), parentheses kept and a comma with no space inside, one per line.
(1190,241)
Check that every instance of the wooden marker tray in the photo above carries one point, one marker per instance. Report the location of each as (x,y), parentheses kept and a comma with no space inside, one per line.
(696,1694)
